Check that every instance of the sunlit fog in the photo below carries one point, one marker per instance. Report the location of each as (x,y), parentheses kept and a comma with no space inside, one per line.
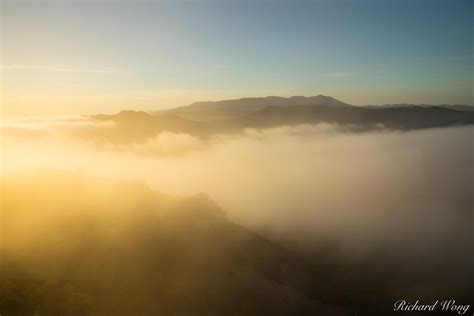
(236,158)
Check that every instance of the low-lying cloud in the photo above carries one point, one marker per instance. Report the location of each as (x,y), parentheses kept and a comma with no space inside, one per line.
(410,192)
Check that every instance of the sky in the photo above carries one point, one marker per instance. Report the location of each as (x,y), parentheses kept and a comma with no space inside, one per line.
(103,56)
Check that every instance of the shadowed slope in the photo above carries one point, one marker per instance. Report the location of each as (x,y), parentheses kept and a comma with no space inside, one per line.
(140,126)
(79,246)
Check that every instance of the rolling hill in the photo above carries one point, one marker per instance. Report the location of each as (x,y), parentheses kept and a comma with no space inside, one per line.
(204,119)
(85,246)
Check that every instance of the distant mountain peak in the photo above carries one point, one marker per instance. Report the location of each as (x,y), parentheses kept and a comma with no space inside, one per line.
(257,103)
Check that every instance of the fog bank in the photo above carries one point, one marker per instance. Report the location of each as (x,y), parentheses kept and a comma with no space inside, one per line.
(315,181)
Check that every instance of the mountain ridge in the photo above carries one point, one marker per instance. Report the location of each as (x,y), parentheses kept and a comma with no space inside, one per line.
(457,107)
(262,102)
(144,253)
(238,108)
(139,126)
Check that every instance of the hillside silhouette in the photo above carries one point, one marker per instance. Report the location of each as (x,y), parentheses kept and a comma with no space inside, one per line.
(212,110)
(204,119)
(76,245)
(86,246)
